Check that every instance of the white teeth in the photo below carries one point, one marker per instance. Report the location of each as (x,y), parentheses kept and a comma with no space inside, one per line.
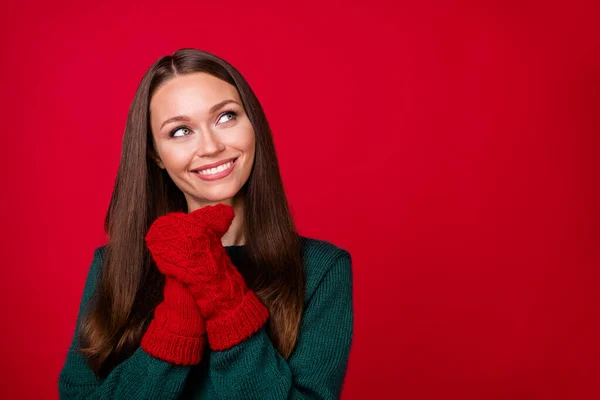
(215,170)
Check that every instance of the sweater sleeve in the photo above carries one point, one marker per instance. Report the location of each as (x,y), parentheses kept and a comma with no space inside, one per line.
(141,376)
(316,369)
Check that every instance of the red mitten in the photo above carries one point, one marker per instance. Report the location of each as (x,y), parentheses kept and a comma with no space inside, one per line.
(188,247)
(177,333)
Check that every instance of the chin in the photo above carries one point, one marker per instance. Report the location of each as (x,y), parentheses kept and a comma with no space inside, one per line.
(224,197)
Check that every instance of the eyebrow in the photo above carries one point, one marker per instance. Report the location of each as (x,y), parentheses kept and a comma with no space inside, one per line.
(186,118)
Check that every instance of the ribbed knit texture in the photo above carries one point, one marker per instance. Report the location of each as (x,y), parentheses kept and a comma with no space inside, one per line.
(252,369)
(177,333)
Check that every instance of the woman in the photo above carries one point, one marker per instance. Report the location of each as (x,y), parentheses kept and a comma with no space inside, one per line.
(205,289)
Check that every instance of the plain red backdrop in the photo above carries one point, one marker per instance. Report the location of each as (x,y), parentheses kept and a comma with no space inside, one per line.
(451,147)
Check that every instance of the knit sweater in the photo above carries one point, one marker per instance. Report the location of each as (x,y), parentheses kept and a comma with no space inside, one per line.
(253,369)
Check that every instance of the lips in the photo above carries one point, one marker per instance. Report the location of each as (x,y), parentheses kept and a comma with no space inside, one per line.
(214,165)
(216,175)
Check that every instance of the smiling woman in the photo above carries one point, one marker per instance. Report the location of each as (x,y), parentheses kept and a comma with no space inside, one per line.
(216,143)
(205,289)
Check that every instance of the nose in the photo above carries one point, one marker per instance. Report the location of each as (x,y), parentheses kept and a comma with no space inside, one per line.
(208,143)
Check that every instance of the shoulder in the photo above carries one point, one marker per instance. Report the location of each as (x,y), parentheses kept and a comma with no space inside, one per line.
(99,253)
(98,260)
(320,251)
(322,258)
(94,272)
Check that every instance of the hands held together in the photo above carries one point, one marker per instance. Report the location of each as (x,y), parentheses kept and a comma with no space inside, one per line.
(204,292)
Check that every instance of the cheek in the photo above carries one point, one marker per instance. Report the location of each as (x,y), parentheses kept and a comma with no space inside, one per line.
(249,145)
(247,140)
(241,138)
(175,157)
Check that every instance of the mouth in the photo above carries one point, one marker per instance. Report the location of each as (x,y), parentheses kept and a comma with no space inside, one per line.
(217,172)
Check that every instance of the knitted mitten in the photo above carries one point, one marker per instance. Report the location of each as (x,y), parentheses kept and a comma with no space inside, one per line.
(188,247)
(177,333)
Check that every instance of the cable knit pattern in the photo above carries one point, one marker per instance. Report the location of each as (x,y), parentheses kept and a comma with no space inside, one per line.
(188,247)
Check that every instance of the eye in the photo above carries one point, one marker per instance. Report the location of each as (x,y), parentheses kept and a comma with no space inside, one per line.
(226,117)
(184,129)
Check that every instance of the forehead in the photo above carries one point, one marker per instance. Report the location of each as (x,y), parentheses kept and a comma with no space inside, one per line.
(190,94)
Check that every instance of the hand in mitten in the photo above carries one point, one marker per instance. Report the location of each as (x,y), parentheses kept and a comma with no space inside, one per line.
(188,247)
(177,333)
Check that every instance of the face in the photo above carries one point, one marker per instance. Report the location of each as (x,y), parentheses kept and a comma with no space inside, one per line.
(202,137)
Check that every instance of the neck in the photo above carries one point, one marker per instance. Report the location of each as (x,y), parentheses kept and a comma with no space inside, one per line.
(235,234)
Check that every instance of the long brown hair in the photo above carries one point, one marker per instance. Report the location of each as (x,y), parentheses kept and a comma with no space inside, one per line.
(129,286)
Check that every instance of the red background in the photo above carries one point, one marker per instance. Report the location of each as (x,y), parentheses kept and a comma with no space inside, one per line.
(451,148)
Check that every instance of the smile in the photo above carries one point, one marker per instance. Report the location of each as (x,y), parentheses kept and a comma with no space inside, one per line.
(219,172)
(220,168)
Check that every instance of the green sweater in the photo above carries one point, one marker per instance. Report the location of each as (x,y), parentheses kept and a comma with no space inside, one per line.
(252,369)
